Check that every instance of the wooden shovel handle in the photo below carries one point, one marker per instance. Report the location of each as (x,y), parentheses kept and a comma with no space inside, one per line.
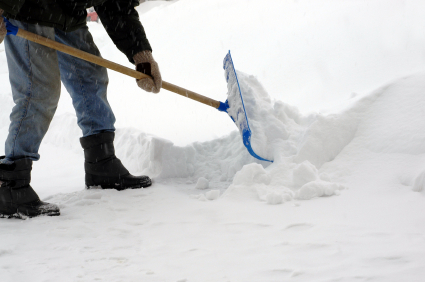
(113,66)
(191,95)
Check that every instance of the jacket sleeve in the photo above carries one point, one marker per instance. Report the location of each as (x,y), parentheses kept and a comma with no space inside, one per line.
(11,6)
(122,23)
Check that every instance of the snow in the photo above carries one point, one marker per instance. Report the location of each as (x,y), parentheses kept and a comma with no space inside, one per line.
(202,183)
(419,183)
(212,195)
(334,94)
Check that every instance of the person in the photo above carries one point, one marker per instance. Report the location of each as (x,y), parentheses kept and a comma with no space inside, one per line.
(35,74)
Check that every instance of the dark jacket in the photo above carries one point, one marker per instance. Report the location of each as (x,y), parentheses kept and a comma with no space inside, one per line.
(119,18)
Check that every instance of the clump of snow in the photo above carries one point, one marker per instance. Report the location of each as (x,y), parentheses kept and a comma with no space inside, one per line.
(212,195)
(202,183)
(318,189)
(252,174)
(304,173)
(202,198)
(419,183)
(274,198)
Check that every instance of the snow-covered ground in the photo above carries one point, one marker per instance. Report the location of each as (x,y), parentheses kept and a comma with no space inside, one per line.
(334,91)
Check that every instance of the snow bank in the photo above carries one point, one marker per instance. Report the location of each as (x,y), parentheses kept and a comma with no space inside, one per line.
(300,145)
(386,123)
(280,132)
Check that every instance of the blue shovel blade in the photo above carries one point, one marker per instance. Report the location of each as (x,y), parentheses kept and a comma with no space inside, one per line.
(238,112)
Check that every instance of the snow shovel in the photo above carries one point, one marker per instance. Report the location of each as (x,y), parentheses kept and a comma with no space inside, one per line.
(239,117)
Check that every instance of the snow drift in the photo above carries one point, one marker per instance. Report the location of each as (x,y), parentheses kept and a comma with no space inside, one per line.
(299,144)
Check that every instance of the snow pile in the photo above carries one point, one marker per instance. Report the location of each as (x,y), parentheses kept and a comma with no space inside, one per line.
(388,121)
(300,145)
(282,134)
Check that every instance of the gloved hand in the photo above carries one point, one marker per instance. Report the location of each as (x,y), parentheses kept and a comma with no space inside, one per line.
(3,30)
(146,64)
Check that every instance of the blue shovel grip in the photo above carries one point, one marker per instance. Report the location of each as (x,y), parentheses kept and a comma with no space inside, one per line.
(11,29)
(223,106)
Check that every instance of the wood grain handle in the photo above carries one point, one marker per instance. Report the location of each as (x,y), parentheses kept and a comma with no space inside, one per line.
(190,94)
(113,66)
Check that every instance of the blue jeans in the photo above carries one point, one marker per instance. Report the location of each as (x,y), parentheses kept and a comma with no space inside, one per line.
(35,73)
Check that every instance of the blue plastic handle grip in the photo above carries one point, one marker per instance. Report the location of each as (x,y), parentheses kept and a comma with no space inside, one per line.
(11,29)
(223,106)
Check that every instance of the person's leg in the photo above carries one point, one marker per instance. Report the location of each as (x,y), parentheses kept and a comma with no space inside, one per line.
(35,81)
(86,83)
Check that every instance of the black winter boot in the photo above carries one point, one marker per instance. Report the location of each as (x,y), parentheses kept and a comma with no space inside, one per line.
(17,198)
(103,168)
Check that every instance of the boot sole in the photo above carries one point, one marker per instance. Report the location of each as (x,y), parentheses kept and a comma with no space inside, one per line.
(94,182)
(19,215)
